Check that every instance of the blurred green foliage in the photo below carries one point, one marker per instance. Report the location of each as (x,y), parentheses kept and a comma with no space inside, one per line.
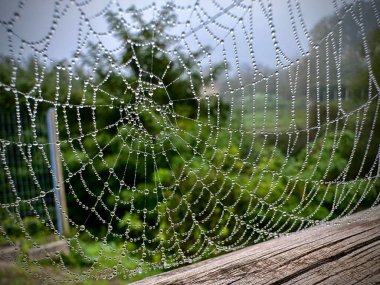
(202,174)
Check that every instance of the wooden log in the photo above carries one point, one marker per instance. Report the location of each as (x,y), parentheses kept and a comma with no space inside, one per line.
(49,249)
(9,253)
(345,251)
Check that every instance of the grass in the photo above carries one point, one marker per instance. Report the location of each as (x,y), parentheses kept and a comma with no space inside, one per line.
(49,271)
(15,274)
(12,274)
(261,115)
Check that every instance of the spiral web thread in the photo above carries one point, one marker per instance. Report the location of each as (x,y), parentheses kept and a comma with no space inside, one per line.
(235,175)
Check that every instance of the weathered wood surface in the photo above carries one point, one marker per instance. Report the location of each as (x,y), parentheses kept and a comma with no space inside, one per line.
(345,251)
(49,249)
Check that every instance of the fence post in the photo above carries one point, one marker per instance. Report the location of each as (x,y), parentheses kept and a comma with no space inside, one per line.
(58,184)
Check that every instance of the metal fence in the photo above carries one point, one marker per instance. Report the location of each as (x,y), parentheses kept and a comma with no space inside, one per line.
(24,171)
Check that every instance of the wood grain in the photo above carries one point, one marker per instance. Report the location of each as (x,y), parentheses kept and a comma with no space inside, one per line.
(345,251)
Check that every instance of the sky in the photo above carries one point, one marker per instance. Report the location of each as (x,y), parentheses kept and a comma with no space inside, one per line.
(32,23)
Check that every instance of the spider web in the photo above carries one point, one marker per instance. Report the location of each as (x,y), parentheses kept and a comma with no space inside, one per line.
(175,178)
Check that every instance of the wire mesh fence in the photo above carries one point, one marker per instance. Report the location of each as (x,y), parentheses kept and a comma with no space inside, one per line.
(24,176)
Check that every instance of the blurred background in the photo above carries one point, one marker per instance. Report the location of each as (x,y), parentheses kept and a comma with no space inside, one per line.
(146,136)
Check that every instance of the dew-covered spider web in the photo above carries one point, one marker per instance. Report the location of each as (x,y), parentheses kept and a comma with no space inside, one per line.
(183,129)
